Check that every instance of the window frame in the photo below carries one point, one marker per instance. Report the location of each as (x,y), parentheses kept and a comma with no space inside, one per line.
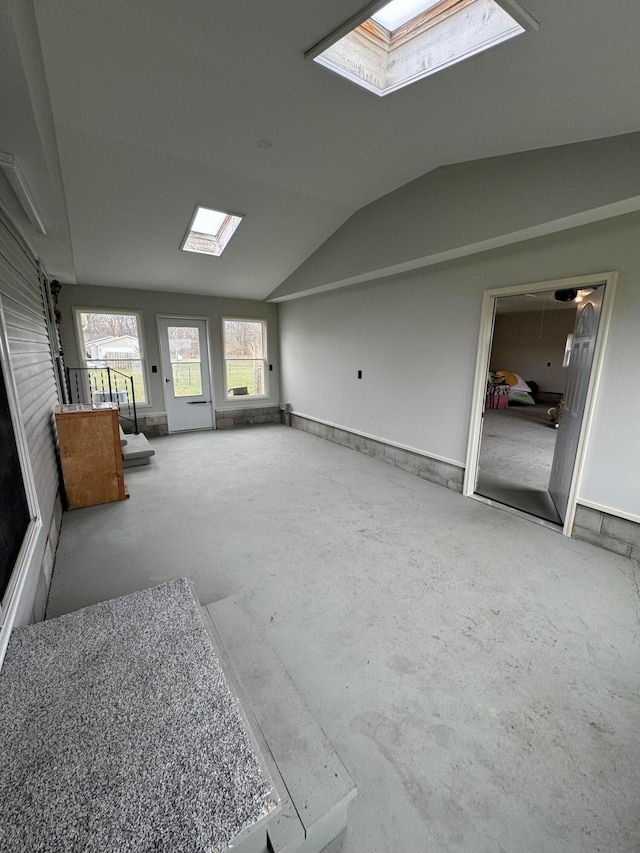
(79,309)
(265,359)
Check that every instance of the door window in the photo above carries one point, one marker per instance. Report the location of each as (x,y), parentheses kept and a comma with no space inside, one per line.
(186,364)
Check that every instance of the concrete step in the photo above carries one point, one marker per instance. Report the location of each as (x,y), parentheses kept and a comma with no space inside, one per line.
(123,437)
(137,451)
(314,785)
(127,738)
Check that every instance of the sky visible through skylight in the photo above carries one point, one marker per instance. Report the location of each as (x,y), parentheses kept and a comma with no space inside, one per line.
(208,221)
(398,12)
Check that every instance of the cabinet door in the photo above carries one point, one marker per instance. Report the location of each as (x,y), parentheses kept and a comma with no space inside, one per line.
(91,458)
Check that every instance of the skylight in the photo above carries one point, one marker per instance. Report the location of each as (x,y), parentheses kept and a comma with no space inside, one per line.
(407,40)
(210,231)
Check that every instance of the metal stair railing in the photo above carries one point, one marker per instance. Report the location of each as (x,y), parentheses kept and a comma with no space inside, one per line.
(95,385)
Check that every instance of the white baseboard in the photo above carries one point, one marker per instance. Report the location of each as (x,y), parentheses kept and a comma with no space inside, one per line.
(620,513)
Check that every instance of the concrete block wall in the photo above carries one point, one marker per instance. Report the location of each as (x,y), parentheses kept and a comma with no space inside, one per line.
(151,425)
(155,423)
(434,470)
(608,531)
(229,418)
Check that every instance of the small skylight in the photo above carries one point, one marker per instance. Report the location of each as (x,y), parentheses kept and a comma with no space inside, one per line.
(210,231)
(407,40)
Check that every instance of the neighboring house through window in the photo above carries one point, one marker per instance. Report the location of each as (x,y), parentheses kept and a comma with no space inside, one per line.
(245,357)
(112,339)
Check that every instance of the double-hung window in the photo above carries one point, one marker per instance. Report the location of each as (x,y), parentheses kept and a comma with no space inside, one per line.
(245,357)
(112,339)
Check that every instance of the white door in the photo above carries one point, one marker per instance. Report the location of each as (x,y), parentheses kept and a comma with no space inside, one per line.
(185,368)
(585,333)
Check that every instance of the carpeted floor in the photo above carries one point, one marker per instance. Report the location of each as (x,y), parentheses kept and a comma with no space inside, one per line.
(119,733)
(516,454)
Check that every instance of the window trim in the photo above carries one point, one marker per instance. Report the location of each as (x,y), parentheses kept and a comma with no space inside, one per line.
(242,400)
(80,309)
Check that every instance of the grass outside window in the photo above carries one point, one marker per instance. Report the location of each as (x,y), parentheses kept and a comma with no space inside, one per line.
(245,351)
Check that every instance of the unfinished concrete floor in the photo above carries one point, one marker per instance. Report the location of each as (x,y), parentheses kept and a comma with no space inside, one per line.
(477,673)
(516,454)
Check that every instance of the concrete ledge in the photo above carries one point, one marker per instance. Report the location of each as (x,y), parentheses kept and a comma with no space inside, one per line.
(314,786)
(608,531)
(434,470)
(137,451)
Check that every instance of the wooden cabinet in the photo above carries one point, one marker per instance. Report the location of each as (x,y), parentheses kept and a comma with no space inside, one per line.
(91,455)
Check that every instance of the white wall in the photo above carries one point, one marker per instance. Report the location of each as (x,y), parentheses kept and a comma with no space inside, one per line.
(532,344)
(415,337)
(151,303)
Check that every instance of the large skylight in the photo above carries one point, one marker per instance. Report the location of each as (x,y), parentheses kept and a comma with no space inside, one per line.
(407,40)
(210,231)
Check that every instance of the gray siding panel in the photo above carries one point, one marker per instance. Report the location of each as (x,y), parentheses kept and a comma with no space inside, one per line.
(24,304)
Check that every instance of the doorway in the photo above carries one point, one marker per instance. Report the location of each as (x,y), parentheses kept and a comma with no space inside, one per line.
(186,373)
(539,360)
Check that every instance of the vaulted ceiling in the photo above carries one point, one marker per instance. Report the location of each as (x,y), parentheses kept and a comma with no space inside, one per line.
(125,114)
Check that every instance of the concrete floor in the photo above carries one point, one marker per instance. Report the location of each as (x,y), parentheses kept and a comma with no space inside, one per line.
(516,454)
(477,673)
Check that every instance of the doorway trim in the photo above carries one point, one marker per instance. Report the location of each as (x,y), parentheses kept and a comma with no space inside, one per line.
(485,340)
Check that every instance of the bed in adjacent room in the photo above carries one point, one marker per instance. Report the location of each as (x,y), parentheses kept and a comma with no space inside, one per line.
(505,389)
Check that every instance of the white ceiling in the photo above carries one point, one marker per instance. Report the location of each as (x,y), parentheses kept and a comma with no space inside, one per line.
(134,111)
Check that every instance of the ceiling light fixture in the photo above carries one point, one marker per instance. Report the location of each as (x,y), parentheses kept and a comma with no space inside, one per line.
(14,176)
(567,295)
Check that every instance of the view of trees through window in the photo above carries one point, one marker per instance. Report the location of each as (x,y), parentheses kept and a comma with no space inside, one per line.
(112,339)
(245,356)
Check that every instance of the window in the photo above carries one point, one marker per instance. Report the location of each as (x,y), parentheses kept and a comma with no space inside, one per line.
(112,339)
(407,40)
(210,231)
(245,357)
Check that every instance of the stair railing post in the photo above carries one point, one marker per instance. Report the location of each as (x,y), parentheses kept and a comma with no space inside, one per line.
(135,413)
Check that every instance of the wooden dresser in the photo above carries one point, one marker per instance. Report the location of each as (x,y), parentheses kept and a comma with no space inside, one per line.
(91,455)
